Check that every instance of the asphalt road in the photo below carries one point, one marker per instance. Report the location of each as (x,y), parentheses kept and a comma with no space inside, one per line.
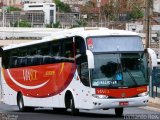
(12,113)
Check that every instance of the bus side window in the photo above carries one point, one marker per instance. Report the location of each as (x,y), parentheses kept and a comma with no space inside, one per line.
(5,59)
(83,70)
(23,53)
(68,48)
(35,61)
(29,61)
(79,45)
(55,48)
(32,50)
(43,49)
(19,62)
(24,62)
(12,59)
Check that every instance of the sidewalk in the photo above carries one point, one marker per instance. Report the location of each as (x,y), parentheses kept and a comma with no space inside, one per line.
(155,100)
(154,104)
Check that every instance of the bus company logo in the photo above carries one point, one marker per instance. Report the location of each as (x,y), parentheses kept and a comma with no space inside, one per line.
(29,75)
(102,91)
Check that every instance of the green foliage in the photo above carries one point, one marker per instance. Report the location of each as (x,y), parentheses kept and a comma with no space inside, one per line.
(54,25)
(22,23)
(136,13)
(11,8)
(107,10)
(80,23)
(62,7)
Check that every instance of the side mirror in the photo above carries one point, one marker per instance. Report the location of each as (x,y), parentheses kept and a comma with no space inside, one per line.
(153,57)
(90,58)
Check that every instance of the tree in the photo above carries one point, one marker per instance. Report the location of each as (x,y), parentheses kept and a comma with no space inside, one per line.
(88,7)
(107,10)
(62,7)
(136,13)
(54,25)
(22,23)
(90,10)
(80,23)
(11,8)
(91,4)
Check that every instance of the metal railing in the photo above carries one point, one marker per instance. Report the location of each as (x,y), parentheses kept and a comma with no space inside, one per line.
(156,82)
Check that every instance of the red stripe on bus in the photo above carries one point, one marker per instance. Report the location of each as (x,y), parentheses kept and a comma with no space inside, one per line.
(53,78)
(122,92)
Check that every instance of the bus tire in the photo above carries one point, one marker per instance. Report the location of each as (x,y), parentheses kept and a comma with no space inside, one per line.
(119,112)
(20,103)
(59,110)
(21,106)
(74,111)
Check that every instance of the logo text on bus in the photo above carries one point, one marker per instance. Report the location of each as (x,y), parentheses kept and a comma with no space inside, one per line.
(29,75)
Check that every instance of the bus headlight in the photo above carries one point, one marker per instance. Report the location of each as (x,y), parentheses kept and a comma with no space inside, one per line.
(100,96)
(143,94)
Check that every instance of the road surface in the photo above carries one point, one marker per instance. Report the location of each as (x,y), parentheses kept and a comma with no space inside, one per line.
(12,113)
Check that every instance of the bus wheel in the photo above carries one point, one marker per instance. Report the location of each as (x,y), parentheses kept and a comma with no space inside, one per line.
(20,103)
(21,106)
(74,111)
(119,112)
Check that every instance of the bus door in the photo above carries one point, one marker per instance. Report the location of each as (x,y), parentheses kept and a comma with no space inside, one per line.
(81,78)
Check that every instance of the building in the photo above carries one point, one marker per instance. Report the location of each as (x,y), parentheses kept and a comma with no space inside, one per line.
(11,2)
(37,1)
(34,18)
(73,2)
(102,2)
(49,10)
(19,3)
(156,6)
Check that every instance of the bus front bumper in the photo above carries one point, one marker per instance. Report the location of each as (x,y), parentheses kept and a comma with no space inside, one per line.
(118,103)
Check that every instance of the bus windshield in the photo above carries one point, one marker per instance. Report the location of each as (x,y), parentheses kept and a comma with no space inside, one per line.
(119,70)
(119,61)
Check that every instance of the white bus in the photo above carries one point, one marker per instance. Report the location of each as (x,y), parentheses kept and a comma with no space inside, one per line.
(80,68)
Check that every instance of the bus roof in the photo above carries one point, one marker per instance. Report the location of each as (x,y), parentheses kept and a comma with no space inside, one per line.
(83,32)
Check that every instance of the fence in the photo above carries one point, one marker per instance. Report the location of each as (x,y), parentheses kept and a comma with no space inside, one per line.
(156,81)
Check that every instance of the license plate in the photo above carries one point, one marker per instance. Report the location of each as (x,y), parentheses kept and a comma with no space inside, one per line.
(125,103)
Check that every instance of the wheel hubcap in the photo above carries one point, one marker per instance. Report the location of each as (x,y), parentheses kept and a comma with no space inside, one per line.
(71,103)
(20,104)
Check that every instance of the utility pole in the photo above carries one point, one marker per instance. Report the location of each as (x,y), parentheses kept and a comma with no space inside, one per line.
(147,26)
(147,30)
(99,9)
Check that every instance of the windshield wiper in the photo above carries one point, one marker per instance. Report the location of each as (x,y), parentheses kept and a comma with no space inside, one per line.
(131,77)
